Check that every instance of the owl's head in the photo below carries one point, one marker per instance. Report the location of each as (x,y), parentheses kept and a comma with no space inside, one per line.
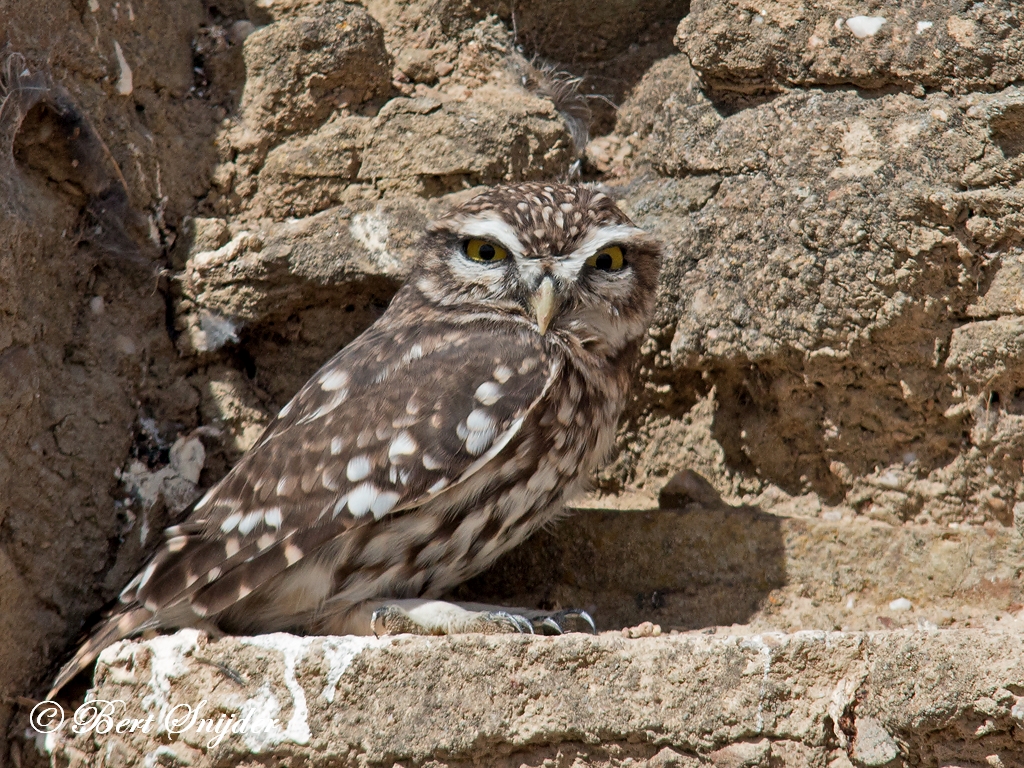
(562,257)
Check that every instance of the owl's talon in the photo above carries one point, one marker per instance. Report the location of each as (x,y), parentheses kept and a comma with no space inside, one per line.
(574,620)
(545,625)
(501,622)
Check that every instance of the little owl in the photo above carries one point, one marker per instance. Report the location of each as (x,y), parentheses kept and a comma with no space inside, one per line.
(444,435)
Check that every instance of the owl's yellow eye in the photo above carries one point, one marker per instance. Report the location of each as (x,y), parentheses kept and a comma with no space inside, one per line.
(481,250)
(608,260)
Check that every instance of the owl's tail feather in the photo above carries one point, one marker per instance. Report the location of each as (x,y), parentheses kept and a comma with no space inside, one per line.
(112,629)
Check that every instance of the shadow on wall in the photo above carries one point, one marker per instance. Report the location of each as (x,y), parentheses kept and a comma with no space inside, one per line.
(688,568)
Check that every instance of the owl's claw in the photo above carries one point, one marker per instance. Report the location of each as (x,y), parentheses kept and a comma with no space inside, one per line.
(576,620)
(562,622)
(498,622)
(545,625)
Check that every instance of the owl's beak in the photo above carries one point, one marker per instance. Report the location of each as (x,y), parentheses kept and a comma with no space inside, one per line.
(544,304)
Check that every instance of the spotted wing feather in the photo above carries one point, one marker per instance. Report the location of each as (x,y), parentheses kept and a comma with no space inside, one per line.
(392,420)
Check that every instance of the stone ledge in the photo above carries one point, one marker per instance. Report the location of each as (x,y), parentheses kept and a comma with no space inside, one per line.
(803,699)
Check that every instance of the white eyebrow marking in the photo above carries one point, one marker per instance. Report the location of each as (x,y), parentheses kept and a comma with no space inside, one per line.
(491,227)
(570,266)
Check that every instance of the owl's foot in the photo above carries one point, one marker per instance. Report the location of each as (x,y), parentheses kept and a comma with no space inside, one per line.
(545,622)
(436,617)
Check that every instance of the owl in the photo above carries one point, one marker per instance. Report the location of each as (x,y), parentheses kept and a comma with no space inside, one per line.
(448,432)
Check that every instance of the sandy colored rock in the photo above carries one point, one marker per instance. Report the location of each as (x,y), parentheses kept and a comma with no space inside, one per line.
(954,47)
(299,69)
(457,142)
(731,701)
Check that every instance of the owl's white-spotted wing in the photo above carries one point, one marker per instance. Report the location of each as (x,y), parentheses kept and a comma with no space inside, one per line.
(394,419)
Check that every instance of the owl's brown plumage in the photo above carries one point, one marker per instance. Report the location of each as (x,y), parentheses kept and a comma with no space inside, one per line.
(441,437)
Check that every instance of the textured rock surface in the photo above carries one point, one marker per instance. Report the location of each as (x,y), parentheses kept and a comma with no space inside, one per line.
(807,699)
(201,201)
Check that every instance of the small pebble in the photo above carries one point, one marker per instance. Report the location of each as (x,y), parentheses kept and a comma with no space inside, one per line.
(900,604)
(96,305)
(644,629)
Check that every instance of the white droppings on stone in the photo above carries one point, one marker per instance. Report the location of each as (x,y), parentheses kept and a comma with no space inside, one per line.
(247,523)
(361,498)
(166,661)
(1017,710)
(488,393)
(403,444)
(187,457)
(864,26)
(900,604)
(231,522)
(358,468)
(124,80)
(339,652)
(214,332)
(334,380)
(270,734)
(923,25)
(384,503)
